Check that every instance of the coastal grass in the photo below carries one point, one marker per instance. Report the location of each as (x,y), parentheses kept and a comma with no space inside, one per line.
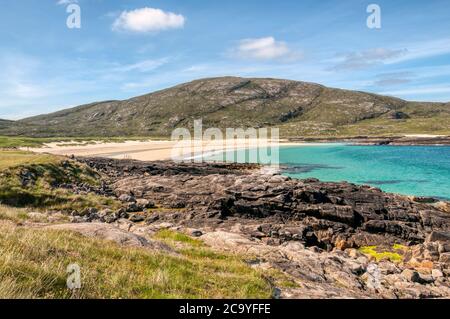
(33,264)
(36,142)
(13,158)
(172,236)
(13,214)
(198,250)
(31,180)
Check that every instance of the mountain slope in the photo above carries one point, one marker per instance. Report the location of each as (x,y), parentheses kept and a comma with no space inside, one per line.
(298,108)
(5,123)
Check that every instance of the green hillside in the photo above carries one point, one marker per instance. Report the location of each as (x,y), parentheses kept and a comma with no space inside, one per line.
(298,108)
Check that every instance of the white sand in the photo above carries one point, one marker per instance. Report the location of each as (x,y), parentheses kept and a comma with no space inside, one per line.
(423,135)
(150,150)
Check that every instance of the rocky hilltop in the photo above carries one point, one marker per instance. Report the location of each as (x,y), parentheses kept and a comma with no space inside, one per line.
(297,108)
(333,240)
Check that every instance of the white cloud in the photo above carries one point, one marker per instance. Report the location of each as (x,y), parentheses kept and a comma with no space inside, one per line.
(406,52)
(425,49)
(264,49)
(66,2)
(367,58)
(142,66)
(393,79)
(148,20)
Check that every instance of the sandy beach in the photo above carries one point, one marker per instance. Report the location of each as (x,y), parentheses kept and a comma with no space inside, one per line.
(152,150)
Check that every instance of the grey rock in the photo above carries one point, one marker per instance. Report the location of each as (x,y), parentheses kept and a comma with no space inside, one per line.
(268,214)
(110,218)
(127,198)
(132,208)
(411,275)
(196,233)
(105,212)
(143,203)
(439,236)
(121,213)
(89,211)
(135,218)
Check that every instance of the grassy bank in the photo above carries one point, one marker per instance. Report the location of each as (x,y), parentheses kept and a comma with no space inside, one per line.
(31,180)
(34,260)
(33,265)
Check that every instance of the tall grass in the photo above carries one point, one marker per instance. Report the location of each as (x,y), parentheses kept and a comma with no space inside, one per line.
(33,264)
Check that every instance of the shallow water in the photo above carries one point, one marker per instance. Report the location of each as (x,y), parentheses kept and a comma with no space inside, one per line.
(409,170)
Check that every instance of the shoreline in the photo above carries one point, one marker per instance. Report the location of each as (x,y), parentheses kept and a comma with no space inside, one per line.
(151,150)
(155,150)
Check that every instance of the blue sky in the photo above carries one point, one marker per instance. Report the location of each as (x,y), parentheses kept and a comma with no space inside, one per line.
(126,48)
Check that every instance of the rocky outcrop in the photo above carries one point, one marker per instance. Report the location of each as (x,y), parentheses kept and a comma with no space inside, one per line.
(336,274)
(288,209)
(309,229)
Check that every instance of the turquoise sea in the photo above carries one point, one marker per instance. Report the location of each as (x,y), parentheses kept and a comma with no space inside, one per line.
(409,170)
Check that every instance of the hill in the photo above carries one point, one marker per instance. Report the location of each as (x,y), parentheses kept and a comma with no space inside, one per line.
(5,123)
(298,108)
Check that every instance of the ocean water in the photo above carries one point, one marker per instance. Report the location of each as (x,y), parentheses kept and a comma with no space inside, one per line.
(409,170)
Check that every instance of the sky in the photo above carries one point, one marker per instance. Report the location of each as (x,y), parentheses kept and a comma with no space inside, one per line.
(125,48)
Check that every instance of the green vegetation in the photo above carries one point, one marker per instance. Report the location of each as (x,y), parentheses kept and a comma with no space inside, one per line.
(11,159)
(34,260)
(31,180)
(399,247)
(438,125)
(33,265)
(171,236)
(297,108)
(392,254)
(197,250)
(19,141)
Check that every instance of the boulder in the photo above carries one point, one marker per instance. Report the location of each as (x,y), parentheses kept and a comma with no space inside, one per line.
(411,275)
(132,208)
(89,211)
(127,198)
(439,236)
(196,233)
(143,203)
(136,218)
